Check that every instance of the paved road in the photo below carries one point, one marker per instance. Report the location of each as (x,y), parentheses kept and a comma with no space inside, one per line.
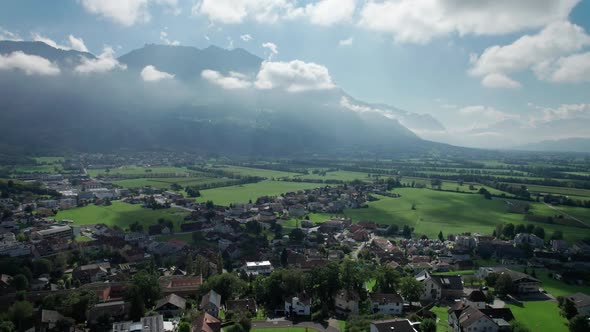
(355,253)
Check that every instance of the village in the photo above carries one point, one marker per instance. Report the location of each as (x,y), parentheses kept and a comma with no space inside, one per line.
(265,263)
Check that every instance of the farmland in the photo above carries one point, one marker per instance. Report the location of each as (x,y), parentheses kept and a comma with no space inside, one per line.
(120,214)
(539,316)
(135,170)
(165,183)
(249,171)
(452,212)
(251,191)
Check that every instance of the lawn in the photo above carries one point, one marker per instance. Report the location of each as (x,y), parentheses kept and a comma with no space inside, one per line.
(164,183)
(82,238)
(540,316)
(281,329)
(38,169)
(452,213)
(120,214)
(135,170)
(559,190)
(556,287)
(244,193)
(315,217)
(442,316)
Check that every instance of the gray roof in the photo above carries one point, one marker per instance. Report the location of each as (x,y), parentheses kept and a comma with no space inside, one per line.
(172,299)
(448,282)
(211,298)
(394,325)
(580,299)
(386,298)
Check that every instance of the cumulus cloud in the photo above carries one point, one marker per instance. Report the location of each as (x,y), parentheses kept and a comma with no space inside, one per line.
(29,64)
(8,35)
(322,12)
(549,54)
(76,44)
(246,37)
(128,12)
(293,76)
(573,68)
(419,21)
(151,74)
(561,112)
(497,80)
(272,47)
(164,38)
(105,62)
(346,42)
(231,82)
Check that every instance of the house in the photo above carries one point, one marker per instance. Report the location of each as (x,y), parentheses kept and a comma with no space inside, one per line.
(91,272)
(298,305)
(439,287)
(243,305)
(476,299)
(211,303)
(582,303)
(118,310)
(529,239)
(180,285)
(256,268)
(347,303)
(205,323)
(388,304)
(467,318)
(523,283)
(171,306)
(48,320)
(297,210)
(54,232)
(146,324)
(392,325)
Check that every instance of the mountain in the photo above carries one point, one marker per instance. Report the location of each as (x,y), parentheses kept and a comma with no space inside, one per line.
(576,144)
(117,110)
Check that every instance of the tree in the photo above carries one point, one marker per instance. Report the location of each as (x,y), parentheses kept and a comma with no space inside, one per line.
(350,276)
(579,324)
(440,236)
(42,266)
(540,232)
(20,312)
(297,235)
(519,229)
(568,309)
(557,235)
(284,257)
(411,289)
(147,284)
(428,325)
(504,285)
(491,279)
(184,327)
(20,282)
(508,231)
(516,326)
(386,279)
(6,326)
(228,285)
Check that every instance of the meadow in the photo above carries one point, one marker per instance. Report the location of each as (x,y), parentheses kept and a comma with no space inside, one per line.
(454,213)
(136,170)
(165,183)
(260,172)
(539,316)
(559,190)
(120,214)
(251,191)
(346,176)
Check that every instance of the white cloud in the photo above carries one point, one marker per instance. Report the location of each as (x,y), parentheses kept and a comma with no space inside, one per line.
(30,64)
(346,103)
(562,112)
(103,63)
(346,42)
(76,44)
(7,35)
(574,68)
(231,82)
(545,53)
(329,12)
(272,47)
(486,112)
(293,76)
(151,74)
(128,12)
(322,12)
(230,43)
(497,80)
(164,38)
(246,37)
(419,21)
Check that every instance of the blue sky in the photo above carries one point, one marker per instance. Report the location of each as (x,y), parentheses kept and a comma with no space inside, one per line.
(419,55)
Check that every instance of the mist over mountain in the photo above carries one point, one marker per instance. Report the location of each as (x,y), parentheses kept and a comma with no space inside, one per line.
(578,144)
(98,103)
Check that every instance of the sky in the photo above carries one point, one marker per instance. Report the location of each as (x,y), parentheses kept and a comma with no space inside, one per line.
(473,65)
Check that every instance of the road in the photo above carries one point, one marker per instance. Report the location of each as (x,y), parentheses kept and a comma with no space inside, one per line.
(566,214)
(355,253)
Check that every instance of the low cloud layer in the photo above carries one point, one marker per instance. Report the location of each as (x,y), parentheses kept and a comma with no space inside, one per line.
(151,74)
(105,62)
(29,64)
(76,44)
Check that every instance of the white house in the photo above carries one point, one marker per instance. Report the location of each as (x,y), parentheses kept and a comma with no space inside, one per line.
(388,304)
(347,302)
(393,325)
(473,320)
(256,268)
(298,305)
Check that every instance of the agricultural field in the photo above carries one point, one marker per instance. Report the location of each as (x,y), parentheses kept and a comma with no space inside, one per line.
(453,186)
(135,170)
(260,172)
(454,213)
(251,191)
(38,168)
(165,183)
(559,190)
(120,214)
(315,217)
(337,175)
(49,160)
(539,316)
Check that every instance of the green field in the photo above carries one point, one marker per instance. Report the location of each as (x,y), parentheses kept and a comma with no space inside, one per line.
(338,175)
(134,170)
(120,214)
(260,172)
(453,186)
(251,191)
(282,329)
(442,316)
(539,316)
(38,169)
(49,160)
(559,190)
(164,183)
(453,213)
(315,217)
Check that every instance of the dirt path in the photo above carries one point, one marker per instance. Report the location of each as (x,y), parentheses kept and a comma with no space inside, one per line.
(566,214)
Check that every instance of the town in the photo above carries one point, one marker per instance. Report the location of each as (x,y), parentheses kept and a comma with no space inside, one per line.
(292,260)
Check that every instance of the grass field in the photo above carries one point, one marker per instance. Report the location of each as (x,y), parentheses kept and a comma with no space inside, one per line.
(556,287)
(248,171)
(452,213)
(164,183)
(315,217)
(441,315)
(338,175)
(49,160)
(559,190)
(282,329)
(120,214)
(251,191)
(134,170)
(540,316)
(453,186)
(38,169)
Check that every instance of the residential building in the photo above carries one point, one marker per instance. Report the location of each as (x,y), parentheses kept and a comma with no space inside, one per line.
(466,318)
(205,323)
(476,299)
(242,305)
(392,325)
(180,285)
(146,324)
(582,303)
(171,306)
(256,268)
(438,287)
(54,232)
(388,304)
(347,302)
(298,305)
(211,303)
(91,272)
